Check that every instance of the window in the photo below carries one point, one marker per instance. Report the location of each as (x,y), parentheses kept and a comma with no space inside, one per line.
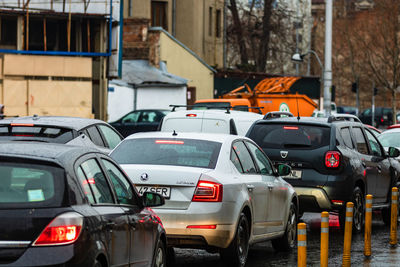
(125,192)
(85,185)
(149,116)
(8,35)
(375,147)
(210,16)
(262,161)
(159,14)
(361,144)
(345,132)
(97,181)
(131,117)
(218,24)
(236,161)
(112,138)
(245,158)
(44,133)
(95,136)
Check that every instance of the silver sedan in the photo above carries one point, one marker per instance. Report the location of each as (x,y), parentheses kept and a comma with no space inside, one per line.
(222,192)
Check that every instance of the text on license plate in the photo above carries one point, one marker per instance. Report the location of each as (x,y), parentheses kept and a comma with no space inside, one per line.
(295,174)
(162,190)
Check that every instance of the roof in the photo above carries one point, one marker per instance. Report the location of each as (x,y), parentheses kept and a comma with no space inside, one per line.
(303,120)
(140,73)
(74,123)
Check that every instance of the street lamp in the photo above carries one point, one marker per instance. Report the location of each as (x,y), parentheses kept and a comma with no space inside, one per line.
(299,58)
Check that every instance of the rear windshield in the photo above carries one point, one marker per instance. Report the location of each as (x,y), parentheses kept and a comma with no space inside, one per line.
(290,136)
(36,133)
(182,152)
(30,185)
(213,105)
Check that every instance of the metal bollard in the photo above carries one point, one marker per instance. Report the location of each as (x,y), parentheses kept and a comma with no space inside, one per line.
(393,217)
(324,238)
(301,245)
(348,228)
(368,226)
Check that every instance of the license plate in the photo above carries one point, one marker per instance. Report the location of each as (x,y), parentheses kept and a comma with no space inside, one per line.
(295,174)
(165,191)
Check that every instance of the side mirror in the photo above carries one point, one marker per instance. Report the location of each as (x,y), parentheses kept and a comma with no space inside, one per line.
(393,152)
(151,199)
(284,170)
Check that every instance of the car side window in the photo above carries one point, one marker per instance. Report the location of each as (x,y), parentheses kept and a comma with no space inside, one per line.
(375,147)
(261,160)
(124,190)
(85,185)
(245,158)
(95,136)
(236,161)
(361,144)
(345,132)
(148,116)
(112,138)
(97,181)
(131,117)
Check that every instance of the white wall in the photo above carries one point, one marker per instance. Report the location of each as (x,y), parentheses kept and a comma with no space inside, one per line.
(120,102)
(160,98)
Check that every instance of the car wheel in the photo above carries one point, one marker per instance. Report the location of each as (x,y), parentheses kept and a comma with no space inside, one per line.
(387,212)
(288,241)
(160,255)
(358,211)
(236,254)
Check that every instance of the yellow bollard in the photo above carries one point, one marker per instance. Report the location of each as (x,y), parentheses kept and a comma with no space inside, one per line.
(348,228)
(393,217)
(301,245)
(368,226)
(324,238)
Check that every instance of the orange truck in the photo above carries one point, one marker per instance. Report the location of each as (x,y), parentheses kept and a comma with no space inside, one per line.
(271,94)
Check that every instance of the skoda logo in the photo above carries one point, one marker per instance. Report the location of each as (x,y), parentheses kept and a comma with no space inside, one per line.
(144,177)
(284,154)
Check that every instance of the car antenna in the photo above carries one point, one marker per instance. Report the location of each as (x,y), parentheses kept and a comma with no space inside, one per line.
(297,104)
(174,133)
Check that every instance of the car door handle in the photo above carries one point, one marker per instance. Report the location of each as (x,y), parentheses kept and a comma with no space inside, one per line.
(250,187)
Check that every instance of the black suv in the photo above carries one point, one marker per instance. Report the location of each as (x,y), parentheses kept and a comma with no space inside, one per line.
(383,116)
(333,160)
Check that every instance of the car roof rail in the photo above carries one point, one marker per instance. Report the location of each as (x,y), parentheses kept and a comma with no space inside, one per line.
(343,117)
(227,108)
(277,114)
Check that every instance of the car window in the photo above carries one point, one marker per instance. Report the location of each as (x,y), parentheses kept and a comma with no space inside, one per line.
(262,161)
(367,112)
(387,111)
(236,161)
(131,117)
(123,189)
(345,132)
(85,185)
(51,134)
(361,144)
(112,138)
(97,181)
(245,158)
(95,136)
(390,138)
(149,116)
(374,144)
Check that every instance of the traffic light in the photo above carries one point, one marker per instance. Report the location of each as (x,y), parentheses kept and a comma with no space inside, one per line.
(354,87)
(375,91)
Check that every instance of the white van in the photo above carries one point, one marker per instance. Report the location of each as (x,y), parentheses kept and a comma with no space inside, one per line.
(209,121)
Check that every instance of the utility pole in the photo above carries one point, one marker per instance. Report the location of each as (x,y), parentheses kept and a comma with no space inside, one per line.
(373,104)
(328,57)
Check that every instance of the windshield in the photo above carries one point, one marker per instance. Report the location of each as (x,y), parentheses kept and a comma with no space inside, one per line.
(390,139)
(290,136)
(165,151)
(36,133)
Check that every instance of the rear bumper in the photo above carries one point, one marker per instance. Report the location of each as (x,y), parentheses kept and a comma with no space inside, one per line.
(222,215)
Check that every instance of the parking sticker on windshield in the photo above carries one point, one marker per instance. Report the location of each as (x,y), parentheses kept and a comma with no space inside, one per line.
(35,195)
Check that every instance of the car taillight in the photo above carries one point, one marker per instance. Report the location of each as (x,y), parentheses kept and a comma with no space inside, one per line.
(64,229)
(207,191)
(332,159)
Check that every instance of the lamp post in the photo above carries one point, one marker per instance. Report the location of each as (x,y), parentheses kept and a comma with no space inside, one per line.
(298,58)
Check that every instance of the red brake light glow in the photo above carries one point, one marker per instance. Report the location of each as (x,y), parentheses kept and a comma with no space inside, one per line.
(191,115)
(23,124)
(64,229)
(170,142)
(338,202)
(290,127)
(332,159)
(207,192)
(213,226)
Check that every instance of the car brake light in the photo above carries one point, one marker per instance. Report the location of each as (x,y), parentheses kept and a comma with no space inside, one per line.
(212,226)
(338,202)
(22,124)
(191,115)
(290,127)
(64,229)
(170,142)
(332,159)
(207,191)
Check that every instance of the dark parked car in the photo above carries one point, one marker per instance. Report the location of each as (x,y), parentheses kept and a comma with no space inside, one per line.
(383,116)
(61,130)
(139,121)
(334,160)
(346,110)
(73,206)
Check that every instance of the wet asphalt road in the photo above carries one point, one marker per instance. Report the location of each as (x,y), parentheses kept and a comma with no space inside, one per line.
(263,255)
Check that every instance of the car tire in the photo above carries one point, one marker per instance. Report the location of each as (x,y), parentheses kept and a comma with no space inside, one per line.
(387,212)
(160,255)
(236,254)
(288,241)
(358,200)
